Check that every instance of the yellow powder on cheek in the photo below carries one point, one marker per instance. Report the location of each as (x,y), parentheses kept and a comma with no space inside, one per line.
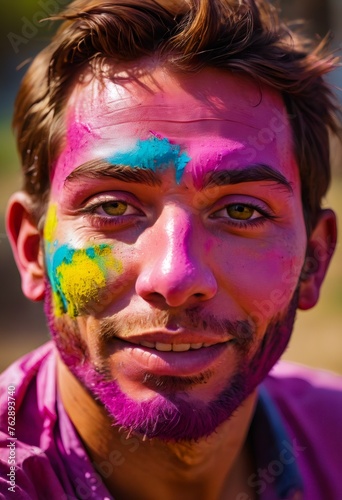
(110,262)
(80,277)
(57,304)
(80,282)
(50,223)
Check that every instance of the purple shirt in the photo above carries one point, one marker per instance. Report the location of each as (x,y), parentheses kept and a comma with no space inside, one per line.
(296,436)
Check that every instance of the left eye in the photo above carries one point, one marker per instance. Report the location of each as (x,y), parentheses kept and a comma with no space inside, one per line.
(238,211)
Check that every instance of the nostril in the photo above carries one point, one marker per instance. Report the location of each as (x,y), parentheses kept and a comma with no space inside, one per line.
(153,296)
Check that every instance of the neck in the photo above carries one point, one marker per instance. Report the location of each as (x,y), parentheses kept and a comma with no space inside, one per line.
(211,469)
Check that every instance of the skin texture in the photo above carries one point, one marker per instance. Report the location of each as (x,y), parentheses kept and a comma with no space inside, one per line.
(190,234)
(172,294)
(168,414)
(77,276)
(154,154)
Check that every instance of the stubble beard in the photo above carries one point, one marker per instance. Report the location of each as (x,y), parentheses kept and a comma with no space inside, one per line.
(172,415)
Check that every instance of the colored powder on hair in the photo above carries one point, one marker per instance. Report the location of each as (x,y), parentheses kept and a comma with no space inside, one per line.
(78,275)
(155,154)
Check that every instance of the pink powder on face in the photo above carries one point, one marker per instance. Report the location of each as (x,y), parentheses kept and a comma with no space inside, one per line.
(171,415)
(80,136)
(197,114)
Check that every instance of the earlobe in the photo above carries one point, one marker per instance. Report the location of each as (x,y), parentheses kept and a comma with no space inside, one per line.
(321,246)
(25,240)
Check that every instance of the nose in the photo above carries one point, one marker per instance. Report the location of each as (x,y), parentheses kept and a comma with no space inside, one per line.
(175,267)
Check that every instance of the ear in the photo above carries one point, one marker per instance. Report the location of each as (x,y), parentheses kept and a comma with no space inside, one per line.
(25,240)
(321,246)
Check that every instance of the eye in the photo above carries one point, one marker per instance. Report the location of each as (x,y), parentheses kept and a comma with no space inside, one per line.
(243,215)
(240,211)
(108,211)
(114,207)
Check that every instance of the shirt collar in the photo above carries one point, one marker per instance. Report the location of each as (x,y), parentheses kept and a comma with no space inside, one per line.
(277,475)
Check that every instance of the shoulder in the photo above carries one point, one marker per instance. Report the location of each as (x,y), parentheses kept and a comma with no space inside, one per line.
(304,386)
(23,370)
(26,417)
(301,392)
(28,392)
(310,404)
(20,466)
(20,373)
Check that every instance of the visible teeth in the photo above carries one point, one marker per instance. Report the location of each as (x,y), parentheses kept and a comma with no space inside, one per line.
(181,347)
(163,347)
(196,346)
(159,346)
(147,344)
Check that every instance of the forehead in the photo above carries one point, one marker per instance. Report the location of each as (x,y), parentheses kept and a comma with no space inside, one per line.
(220,119)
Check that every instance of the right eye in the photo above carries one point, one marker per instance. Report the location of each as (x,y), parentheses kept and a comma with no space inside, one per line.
(114,208)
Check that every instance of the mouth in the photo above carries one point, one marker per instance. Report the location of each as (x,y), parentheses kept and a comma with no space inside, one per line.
(160,346)
(182,340)
(177,358)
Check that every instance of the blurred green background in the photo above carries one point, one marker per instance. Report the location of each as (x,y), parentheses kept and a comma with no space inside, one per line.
(317,340)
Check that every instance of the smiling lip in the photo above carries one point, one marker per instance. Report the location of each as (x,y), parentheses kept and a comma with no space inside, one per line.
(181,358)
(162,338)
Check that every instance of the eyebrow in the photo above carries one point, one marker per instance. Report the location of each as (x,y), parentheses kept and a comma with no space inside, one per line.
(253,173)
(97,169)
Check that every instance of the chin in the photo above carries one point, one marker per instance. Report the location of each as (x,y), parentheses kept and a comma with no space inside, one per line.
(171,415)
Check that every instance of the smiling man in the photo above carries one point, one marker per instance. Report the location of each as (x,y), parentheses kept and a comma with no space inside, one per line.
(175,157)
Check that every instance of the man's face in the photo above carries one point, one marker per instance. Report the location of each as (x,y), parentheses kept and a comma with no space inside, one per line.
(174,241)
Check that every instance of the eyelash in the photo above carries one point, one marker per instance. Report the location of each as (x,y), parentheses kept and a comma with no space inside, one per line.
(246,224)
(102,221)
(108,220)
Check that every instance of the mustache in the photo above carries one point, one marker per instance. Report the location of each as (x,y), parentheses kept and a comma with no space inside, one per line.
(193,319)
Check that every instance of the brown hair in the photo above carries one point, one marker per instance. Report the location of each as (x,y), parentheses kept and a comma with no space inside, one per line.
(242,36)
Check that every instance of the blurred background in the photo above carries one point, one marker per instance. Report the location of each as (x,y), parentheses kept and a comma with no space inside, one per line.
(317,339)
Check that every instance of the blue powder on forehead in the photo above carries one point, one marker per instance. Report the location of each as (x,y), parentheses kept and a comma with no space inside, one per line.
(154,154)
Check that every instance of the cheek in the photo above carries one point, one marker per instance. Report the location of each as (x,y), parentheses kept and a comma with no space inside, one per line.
(262,281)
(79,277)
